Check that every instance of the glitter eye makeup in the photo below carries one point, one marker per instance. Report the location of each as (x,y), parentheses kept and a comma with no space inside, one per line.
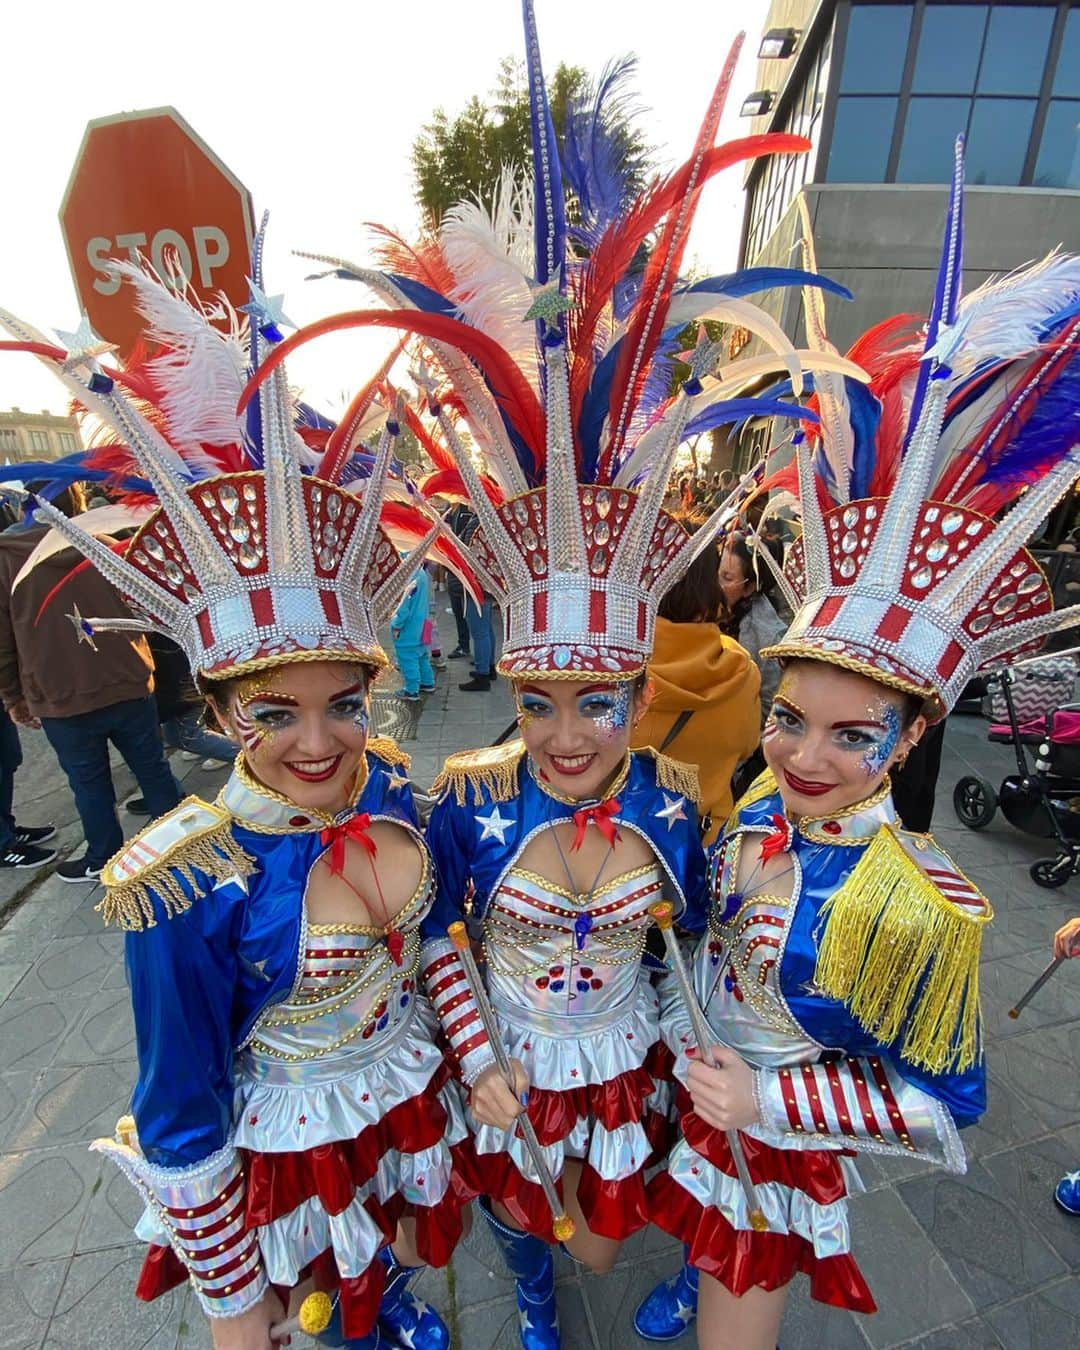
(351,706)
(608,709)
(531,708)
(880,752)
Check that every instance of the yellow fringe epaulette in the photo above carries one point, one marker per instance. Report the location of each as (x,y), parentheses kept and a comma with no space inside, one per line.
(764,785)
(900,948)
(388,750)
(492,771)
(194,838)
(674,774)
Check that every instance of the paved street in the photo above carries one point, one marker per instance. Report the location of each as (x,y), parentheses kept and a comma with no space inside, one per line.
(955,1263)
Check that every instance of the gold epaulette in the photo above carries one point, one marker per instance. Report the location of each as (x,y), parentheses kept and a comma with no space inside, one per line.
(900,949)
(194,837)
(764,785)
(492,770)
(388,750)
(674,774)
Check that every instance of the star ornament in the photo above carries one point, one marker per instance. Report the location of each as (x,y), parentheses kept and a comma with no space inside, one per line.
(83,628)
(83,346)
(494,825)
(547,304)
(267,312)
(672,810)
(396,780)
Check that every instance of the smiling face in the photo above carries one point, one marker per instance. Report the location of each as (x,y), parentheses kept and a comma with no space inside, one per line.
(578,734)
(831,737)
(303,728)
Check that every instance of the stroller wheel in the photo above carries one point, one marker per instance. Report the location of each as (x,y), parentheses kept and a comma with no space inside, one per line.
(974,801)
(1052,872)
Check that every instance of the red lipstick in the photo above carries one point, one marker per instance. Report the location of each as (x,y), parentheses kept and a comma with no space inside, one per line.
(805,788)
(323,775)
(571,770)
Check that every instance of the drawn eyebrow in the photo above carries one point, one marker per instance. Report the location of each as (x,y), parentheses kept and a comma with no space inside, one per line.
(840,726)
(596,689)
(345,693)
(532,689)
(788,707)
(280,700)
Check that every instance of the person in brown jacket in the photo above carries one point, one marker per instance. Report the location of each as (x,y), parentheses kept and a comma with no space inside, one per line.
(704,708)
(83,692)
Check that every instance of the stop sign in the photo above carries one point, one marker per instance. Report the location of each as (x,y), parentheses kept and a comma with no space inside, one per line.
(145,184)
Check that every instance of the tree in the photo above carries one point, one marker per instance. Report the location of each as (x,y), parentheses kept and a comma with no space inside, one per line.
(455,159)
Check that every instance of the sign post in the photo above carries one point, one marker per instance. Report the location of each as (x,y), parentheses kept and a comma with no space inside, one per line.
(144,184)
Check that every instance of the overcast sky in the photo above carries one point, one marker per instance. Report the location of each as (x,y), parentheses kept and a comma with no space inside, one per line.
(314,105)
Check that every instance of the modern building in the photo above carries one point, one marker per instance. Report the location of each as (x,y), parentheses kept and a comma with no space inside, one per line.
(30,436)
(881,92)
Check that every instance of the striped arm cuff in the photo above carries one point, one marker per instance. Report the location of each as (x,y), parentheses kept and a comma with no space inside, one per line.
(448,989)
(202,1210)
(862,1104)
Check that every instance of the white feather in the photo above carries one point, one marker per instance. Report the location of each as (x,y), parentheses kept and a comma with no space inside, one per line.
(101,520)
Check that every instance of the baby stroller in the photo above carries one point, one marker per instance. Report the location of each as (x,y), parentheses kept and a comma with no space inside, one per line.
(1043,801)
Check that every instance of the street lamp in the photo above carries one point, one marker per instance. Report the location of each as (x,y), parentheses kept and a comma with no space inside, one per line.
(758,103)
(778,44)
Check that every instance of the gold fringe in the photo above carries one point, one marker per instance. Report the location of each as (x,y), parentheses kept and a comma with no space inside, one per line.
(130,905)
(904,959)
(675,775)
(492,770)
(388,750)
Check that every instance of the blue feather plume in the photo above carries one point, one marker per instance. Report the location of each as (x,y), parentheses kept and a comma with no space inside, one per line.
(734,410)
(750,280)
(596,166)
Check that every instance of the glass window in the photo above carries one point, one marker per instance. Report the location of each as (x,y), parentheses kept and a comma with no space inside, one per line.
(1015,52)
(1067,76)
(949,48)
(67,442)
(926,152)
(39,441)
(1058,164)
(862,136)
(877,41)
(998,139)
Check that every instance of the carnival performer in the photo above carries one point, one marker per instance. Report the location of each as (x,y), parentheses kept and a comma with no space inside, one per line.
(839,973)
(293,1118)
(556,846)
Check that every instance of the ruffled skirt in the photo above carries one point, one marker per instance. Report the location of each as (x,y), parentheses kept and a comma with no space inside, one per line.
(596,1096)
(803,1194)
(332,1166)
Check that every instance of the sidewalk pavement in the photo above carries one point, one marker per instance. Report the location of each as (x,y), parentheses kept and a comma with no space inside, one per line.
(956,1263)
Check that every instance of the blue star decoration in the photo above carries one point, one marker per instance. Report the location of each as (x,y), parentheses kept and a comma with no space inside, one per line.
(547,304)
(494,825)
(267,312)
(82,627)
(672,810)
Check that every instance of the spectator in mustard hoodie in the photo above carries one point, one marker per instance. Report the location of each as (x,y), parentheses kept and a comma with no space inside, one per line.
(705,701)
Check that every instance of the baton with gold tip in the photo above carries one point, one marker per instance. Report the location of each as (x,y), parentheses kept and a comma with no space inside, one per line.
(312,1319)
(663,913)
(562,1224)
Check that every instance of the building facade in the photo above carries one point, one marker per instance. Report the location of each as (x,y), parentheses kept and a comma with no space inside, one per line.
(31,436)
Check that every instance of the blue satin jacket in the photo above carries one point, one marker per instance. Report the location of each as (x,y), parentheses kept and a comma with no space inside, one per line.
(201,980)
(476,843)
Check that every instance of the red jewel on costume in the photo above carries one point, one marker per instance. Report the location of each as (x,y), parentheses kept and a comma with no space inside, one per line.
(253,1120)
(303,1120)
(832,827)
(395,944)
(778,840)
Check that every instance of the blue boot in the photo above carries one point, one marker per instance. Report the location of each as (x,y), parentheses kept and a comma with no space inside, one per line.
(334,1337)
(533,1269)
(1067,1193)
(408,1320)
(668,1311)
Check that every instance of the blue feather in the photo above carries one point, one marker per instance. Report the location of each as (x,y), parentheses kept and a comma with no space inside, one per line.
(752,279)
(55,475)
(548,204)
(865,416)
(595,162)
(307,416)
(733,410)
(423,297)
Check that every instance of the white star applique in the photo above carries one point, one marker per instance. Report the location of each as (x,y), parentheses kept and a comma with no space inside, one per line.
(672,810)
(396,780)
(1073,1178)
(684,1312)
(83,346)
(267,311)
(82,627)
(495,825)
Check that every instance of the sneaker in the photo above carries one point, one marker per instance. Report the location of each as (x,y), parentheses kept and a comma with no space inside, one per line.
(408,698)
(459,653)
(209,765)
(137,807)
(479,684)
(77,869)
(427,688)
(33,834)
(189,754)
(24,855)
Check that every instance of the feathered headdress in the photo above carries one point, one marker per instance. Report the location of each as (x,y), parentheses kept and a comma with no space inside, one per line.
(254,548)
(557,342)
(901,572)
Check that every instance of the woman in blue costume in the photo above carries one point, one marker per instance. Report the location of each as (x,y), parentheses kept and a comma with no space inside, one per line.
(294,1121)
(839,973)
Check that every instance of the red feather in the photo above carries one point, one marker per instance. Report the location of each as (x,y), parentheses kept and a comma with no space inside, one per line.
(423,262)
(449,483)
(339,443)
(616,250)
(509,387)
(432,446)
(117,545)
(889,353)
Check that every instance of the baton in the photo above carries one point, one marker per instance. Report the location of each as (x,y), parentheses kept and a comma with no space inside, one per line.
(662,913)
(1033,989)
(562,1224)
(312,1319)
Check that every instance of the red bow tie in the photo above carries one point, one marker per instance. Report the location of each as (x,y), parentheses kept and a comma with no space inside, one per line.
(778,840)
(335,836)
(600,816)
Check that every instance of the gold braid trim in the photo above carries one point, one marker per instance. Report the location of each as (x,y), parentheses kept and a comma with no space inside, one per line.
(212,850)
(492,770)
(675,775)
(904,958)
(388,750)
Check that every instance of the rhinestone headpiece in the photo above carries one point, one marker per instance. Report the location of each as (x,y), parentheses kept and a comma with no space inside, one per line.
(906,577)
